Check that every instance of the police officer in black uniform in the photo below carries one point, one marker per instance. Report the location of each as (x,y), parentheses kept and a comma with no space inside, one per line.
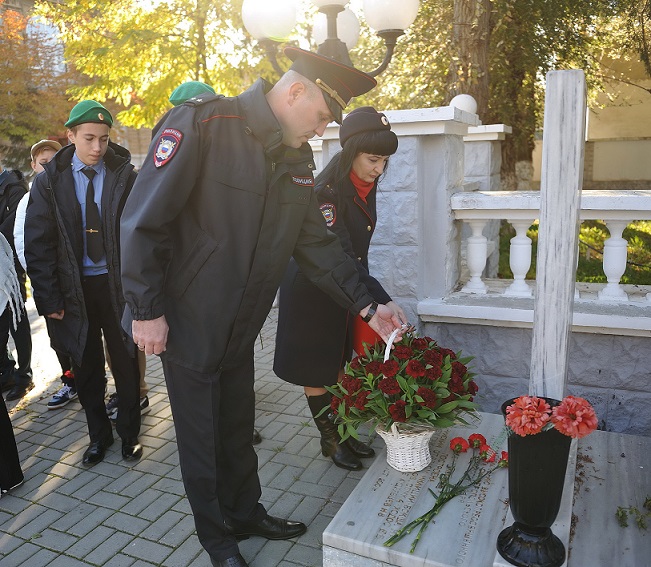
(311,326)
(224,199)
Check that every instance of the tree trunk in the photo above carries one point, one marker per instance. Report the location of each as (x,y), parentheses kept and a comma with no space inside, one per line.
(468,71)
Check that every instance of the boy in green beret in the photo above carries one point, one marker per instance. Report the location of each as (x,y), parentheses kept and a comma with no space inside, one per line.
(73,260)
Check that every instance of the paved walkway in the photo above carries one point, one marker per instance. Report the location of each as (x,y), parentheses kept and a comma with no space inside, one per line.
(123,515)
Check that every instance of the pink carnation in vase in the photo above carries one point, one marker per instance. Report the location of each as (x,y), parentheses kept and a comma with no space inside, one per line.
(574,417)
(528,415)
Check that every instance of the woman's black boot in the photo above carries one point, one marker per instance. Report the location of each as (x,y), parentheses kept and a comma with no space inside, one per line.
(359,449)
(331,447)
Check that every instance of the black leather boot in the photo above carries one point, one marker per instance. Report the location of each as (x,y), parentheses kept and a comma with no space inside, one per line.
(359,449)
(331,447)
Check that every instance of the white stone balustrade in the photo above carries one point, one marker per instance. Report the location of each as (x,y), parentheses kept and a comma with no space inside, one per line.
(521,208)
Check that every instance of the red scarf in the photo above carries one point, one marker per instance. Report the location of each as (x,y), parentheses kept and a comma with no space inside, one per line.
(363,188)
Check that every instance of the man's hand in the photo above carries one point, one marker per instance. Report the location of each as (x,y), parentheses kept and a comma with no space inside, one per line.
(384,322)
(398,312)
(150,336)
(57,315)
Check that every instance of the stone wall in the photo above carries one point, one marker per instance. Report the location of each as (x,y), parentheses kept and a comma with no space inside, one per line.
(610,371)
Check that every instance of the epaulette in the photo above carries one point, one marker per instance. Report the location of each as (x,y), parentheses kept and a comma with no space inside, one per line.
(203,98)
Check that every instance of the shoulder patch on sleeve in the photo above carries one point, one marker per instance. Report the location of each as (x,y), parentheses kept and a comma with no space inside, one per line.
(329,212)
(167,145)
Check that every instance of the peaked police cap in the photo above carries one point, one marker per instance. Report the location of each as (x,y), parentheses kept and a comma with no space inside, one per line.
(338,82)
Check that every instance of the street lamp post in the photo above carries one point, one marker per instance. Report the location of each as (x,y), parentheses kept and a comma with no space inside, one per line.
(336,31)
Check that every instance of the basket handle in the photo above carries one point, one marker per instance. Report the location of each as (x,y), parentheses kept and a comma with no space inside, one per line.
(392,337)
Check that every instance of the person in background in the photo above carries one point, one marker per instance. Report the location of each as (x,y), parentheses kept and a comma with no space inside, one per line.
(311,326)
(18,380)
(223,200)
(41,153)
(11,474)
(73,260)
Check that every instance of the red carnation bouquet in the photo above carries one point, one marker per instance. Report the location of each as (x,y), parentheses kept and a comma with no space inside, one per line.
(529,415)
(421,384)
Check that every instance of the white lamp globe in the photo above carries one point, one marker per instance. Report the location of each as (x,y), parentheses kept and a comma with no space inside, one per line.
(384,15)
(273,20)
(319,3)
(347,28)
(465,102)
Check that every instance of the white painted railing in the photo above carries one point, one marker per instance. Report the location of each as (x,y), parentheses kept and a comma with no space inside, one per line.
(521,208)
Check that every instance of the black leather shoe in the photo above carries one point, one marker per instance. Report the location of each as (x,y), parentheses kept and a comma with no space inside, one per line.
(359,449)
(235,561)
(18,391)
(269,527)
(96,450)
(131,449)
(257,438)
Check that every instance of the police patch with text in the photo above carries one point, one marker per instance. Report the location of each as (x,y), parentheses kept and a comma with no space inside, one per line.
(307,181)
(167,145)
(329,212)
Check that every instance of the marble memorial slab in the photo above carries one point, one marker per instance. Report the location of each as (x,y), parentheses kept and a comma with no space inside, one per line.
(463,534)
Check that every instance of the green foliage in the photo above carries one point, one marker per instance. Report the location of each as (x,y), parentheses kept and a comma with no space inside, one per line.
(32,104)
(592,236)
(639,516)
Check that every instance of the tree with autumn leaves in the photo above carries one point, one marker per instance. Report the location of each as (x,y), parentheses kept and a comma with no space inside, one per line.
(133,54)
(33,101)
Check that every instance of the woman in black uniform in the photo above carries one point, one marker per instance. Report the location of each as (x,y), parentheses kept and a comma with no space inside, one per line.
(315,336)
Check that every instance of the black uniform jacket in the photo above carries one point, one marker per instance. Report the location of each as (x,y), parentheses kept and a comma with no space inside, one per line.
(310,325)
(219,207)
(54,244)
(12,189)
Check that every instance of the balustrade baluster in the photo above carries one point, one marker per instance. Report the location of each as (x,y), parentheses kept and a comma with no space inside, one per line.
(520,259)
(614,262)
(476,257)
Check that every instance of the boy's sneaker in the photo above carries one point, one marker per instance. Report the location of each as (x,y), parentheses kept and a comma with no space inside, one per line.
(144,408)
(112,406)
(65,395)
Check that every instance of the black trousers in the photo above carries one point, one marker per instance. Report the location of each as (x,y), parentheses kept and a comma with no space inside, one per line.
(10,471)
(90,377)
(22,336)
(214,418)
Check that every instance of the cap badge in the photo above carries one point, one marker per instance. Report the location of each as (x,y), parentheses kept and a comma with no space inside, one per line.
(100,116)
(330,91)
(384,120)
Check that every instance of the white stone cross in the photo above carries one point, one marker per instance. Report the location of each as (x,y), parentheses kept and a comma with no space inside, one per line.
(560,205)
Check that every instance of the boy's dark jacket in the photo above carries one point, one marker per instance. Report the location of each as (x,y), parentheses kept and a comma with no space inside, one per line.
(54,244)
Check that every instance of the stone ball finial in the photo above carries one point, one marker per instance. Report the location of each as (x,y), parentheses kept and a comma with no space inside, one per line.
(464,102)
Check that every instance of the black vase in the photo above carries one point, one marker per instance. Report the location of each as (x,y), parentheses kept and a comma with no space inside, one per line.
(537,466)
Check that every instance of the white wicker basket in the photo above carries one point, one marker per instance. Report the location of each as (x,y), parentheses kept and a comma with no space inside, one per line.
(407,451)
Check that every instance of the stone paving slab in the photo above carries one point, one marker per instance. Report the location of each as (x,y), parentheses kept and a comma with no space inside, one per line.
(122,514)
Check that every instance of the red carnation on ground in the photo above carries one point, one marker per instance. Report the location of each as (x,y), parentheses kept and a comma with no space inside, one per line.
(459,445)
(487,453)
(389,386)
(477,440)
